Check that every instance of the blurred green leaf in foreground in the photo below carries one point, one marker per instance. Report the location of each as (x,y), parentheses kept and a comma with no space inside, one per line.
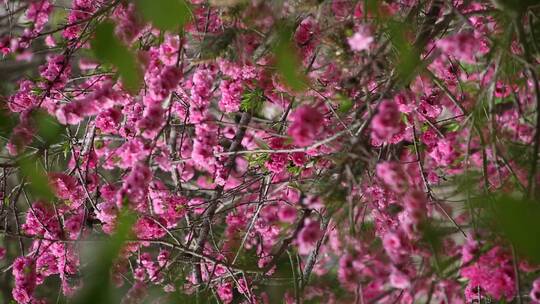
(167,15)
(518,220)
(33,170)
(109,49)
(287,59)
(97,285)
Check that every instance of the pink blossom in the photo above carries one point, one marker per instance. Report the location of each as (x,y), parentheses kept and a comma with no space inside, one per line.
(307,123)
(493,273)
(132,152)
(392,174)
(309,236)
(152,121)
(231,94)
(394,246)
(444,153)
(24,98)
(463,46)
(387,122)
(74,112)
(535,291)
(55,72)
(197,204)
(135,187)
(128,24)
(398,279)
(342,8)
(335,177)
(81,9)
(225,292)
(169,50)
(21,136)
(200,93)
(360,41)
(203,146)
(42,221)
(147,228)
(24,271)
(108,121)
(277,162)
(287,214)
(38,13)
(66,187)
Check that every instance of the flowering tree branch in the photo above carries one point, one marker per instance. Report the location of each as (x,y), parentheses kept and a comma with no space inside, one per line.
(248,151)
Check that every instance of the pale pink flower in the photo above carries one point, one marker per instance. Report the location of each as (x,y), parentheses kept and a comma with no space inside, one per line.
(360,41)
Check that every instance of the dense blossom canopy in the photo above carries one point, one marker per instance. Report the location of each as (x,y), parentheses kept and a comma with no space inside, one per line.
(250,151)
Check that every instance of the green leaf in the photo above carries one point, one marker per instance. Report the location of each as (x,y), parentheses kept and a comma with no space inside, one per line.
(227,3)
(252,100)
(214,46)
(345,104)
(180,296)
(257,159)
(58,16)
(452,127)
(109,49)
(39,182)
(167,15)
(518,153)
(513,7)
(394,209)
(284,272)
(7,123)
(432,235)
(407,57)
(48,128)
(97,286)
(293,170)
(287,59)
(248,260)
(517,220)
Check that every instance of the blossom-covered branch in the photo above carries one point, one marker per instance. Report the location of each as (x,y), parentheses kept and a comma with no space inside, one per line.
(249,151)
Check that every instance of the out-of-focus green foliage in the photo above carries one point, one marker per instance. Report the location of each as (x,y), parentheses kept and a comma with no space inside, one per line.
(252,100)
(407,56)
(48,129)
(167,15)
(7,123)
(97,286)
(213,46)
(345,104)
(518,221)
(109,49)
(285,274)
(514,6)
(35,173)
(287,60)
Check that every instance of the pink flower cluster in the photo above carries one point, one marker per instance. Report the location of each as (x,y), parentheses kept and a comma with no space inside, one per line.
(307,123)
(372,182)
(24,272)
